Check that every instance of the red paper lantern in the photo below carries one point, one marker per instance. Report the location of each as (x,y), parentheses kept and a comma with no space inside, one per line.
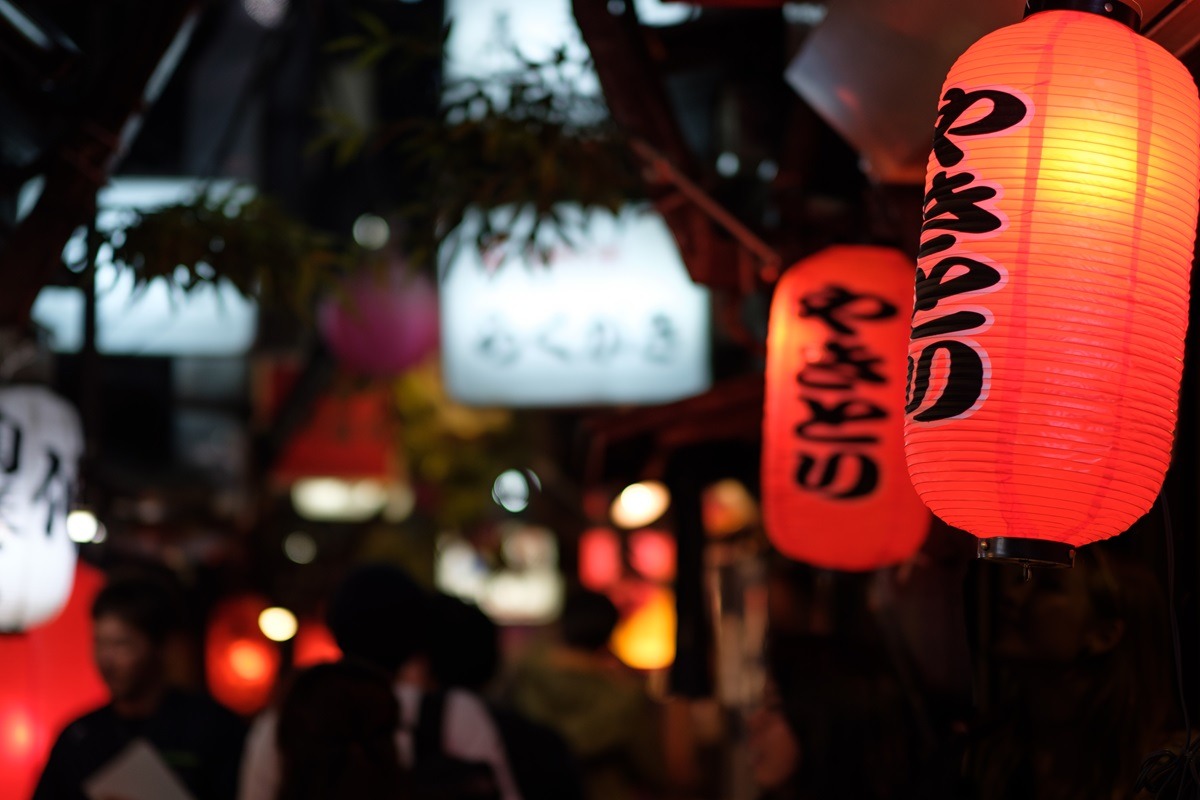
(384,324)
(835,491)
(46,680)
(241,662)
(1052,284)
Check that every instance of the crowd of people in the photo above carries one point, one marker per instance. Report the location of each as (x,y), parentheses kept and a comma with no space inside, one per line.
(419,707)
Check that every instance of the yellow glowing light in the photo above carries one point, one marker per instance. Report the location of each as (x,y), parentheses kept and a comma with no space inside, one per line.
(248,661)
(277,624)
(640,504)
(727,507)
(646,638)
(18,734)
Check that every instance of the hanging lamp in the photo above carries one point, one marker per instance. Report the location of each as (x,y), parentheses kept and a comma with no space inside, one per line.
(1052,283)
(835,493)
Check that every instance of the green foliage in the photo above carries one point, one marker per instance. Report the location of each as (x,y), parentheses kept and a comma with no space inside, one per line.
(523,142)
(250,242)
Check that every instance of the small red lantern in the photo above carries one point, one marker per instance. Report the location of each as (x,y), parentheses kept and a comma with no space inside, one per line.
(835,491)
(46,681)
(241,662)
(1052,284)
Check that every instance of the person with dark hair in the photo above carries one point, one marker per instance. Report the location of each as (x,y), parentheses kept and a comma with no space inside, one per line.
(197,739)
(336,735)
(579,689)
(380,616)
(465,653)
(1085,682)
(834,722)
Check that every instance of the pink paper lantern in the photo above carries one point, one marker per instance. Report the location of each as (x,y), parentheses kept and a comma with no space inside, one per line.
(384,324)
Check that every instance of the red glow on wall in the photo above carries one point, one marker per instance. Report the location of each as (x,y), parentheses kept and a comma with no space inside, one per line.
(600,565)
(652,554)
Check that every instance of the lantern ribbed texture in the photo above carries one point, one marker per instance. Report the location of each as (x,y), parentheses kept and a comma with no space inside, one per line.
(834,489)
(1052,286)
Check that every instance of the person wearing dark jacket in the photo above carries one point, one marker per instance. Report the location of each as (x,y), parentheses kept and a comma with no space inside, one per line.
(199,741)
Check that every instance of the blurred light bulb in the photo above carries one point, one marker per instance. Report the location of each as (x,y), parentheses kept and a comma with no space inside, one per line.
(640,504)
(338,500)
(82,526)
(267,13)
(511,491)
(277,624)
(371,232)
(300,547)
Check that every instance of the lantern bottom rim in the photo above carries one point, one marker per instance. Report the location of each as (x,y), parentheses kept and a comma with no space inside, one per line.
(1027,552)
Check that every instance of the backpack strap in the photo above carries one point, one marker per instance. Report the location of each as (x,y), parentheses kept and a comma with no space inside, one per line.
(428,739)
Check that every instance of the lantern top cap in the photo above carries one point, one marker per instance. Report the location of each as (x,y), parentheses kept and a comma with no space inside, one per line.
(1126,13)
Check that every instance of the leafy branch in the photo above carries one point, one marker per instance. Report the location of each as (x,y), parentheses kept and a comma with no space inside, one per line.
(251,242)
(524,141)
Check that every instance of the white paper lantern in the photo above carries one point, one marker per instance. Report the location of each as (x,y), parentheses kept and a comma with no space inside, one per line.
(41,440)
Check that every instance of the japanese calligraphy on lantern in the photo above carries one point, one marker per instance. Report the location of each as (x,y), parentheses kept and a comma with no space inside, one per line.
(1052,283)
(948,369)
(40,444)
(615,319)
(835,489)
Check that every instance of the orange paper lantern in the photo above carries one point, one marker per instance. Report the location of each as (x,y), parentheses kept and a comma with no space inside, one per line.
(834,489)
(1052,284)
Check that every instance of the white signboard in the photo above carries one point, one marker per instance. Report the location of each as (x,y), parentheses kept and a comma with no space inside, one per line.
(615,320)
(41,440)
(153,320)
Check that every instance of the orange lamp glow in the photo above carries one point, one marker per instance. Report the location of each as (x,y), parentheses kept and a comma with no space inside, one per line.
(1052,283)
(834,489)
(241,663)
(646,638)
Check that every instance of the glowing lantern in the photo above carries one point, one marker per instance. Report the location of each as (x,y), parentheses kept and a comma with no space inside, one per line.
(40,443)
(1052,285)
(646,638)
(835,491)
(46,681)
(599,559)
(241,662)
(385,324)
